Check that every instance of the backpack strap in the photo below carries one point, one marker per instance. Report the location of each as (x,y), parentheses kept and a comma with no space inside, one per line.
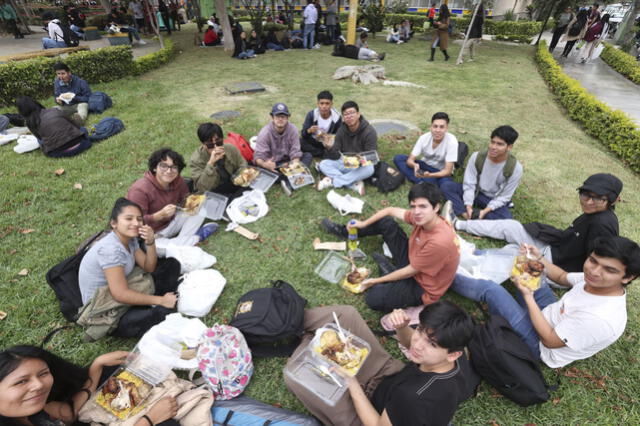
(226,420)
(52,333)
(507,170)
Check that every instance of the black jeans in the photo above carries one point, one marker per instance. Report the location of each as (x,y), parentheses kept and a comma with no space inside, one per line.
(139,319)
(568,47)
(394,294)
(312,146)
(557,33)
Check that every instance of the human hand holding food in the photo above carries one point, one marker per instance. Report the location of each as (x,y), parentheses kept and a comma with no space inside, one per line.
(398,319)
(111,358)
(216,154)
(166,212)
(168,300)
(367,284)
(312,130)
(147,234)
(269,165)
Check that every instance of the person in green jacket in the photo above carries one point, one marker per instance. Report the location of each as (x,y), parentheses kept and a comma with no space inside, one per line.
(214,163)
(9,16)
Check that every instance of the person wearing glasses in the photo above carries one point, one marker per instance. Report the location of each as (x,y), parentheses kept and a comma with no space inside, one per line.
(159,193)
(568,248)
(214,163)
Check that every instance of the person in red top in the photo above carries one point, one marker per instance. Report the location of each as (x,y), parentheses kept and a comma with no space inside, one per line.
(159,193)
(425,262)
(432,14)
(210,37)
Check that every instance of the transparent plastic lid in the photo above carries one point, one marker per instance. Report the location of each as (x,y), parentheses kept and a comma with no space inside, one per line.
(333,267)
(214,206)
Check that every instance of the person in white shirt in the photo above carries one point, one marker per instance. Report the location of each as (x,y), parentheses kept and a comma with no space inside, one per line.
(591,316)
(56,37)
(310,16)
(490,180)
(439,151)
(135,7)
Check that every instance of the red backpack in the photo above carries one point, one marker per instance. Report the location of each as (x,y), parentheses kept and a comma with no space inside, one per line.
(241,143)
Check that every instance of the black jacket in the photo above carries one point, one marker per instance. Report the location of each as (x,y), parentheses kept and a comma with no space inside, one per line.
(311,119)
(363,139)
(56,131)
(569,248)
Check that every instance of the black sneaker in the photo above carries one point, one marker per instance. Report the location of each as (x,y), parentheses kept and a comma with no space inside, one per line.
(333,228)
(385,266)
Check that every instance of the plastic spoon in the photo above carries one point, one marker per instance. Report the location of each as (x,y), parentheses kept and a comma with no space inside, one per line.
(343,337)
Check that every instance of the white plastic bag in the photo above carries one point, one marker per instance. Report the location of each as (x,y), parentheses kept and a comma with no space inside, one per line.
(191,258)
(198,291)
(167,339)
(345,204)
(248,208)
(491,264)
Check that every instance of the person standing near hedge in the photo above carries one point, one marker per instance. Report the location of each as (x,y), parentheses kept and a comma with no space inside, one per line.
(331,19)
(561,26)
(310,16)
(475,31)
(442,33)
(56,37)
(575,31)
(78,107)
(9,16)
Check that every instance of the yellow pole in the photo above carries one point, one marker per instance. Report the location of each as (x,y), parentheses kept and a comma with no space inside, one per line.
(382,3)
(353,17)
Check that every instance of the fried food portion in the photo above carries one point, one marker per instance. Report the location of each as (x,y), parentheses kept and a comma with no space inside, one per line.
(527,272)
(192,203)
(122,395)
(246,176)
(353,280)
(345,354)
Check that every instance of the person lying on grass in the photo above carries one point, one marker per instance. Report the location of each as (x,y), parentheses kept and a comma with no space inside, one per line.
(425,262)
(385,391)
(588,318)
(39,388)
(159,193)
(107,270)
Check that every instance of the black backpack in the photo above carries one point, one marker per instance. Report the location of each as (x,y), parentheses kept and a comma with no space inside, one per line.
(70,38)
(386,178)
(271,319)
(501,358)
(63,279)
(463,151)
(576,28)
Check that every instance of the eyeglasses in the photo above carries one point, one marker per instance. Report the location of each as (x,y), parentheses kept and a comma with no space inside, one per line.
(597,199)
(349,114)
(164,167)
(213,143)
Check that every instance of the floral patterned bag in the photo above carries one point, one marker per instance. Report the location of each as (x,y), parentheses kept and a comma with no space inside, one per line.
(225,361)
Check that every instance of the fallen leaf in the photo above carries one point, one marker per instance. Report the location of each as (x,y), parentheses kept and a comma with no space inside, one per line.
(59,172)
(27,231)
(556,401)
(77,186)
(13,251)
(3,315)
(24,272)
(494,423)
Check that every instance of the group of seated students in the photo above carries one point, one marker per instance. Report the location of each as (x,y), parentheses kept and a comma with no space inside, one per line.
(589,259)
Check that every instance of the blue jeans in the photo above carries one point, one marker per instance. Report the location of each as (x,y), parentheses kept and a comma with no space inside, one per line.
(76,29)
(453,191)
(132,32)
(274,46)
(48,43)
(400,161)
(309,36)
(246,54)
(502,303)
(343,176)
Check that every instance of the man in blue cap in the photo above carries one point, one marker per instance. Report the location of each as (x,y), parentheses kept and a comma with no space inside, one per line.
(278,143)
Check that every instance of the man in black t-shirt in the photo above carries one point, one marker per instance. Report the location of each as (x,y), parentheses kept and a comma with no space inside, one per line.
(567,248)
(426,391)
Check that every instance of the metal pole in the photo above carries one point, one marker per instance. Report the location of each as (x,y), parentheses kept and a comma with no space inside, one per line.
(551,9)
(466,37)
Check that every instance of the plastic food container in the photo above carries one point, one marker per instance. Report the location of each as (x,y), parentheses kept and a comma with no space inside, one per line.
(356,346)
(213,206)
(366,158)
(333,267)
(528,272)
(298,175)
(265,180)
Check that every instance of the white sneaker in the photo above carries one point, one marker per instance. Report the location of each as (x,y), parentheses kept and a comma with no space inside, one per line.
(317,46)
(142,42)
(400,42)
(324,183)
(358,187)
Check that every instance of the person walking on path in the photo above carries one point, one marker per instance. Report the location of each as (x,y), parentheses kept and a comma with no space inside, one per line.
(442,33)
(596,32)
(575,31)
(561,27)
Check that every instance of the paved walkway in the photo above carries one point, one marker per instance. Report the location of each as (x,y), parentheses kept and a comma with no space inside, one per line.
(602,81)
(32,42)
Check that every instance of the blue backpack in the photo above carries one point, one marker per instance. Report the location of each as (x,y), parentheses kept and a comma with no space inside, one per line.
(105,128)
(99,102)
(244,411)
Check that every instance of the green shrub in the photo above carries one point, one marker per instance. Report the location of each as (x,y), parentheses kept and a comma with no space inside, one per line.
(505,28)
(613,128)
(100,21)
(622,62)
(154,60)
(275,26)
(515,38)
(417,21)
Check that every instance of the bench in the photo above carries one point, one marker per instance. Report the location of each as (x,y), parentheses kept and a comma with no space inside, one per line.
(40,53)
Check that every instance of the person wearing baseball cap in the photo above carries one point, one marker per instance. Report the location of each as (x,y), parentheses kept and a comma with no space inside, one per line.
(278,143)
(566,248)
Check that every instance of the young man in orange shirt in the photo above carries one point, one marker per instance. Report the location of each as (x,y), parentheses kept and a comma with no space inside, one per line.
(425,262)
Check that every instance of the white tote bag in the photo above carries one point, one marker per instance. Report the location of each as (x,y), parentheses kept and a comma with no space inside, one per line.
(198,292)
(248,208)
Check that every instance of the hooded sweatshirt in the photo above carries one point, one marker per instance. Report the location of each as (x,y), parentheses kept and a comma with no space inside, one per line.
(312,120)
(363,139)
(152,197)
(275,146)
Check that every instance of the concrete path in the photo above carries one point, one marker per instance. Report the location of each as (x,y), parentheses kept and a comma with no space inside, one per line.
(33,42)
(601,80)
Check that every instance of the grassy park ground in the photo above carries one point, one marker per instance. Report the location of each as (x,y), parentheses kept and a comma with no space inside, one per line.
(45,216)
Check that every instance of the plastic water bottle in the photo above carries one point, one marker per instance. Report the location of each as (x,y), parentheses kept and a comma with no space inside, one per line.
(352,244)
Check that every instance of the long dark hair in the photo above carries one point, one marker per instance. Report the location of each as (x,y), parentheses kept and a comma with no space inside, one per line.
(119,206)
(30,109)
(444,13)
(68,378)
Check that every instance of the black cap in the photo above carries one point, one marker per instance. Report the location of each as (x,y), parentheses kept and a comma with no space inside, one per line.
(603,184)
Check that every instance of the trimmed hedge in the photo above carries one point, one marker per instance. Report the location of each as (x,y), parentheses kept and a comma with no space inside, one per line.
(515,38)
(504,28)
(34,77)
(622,62)
(613,128)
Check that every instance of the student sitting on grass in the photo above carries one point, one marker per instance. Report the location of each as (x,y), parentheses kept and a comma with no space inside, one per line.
(319,122)
(78,107)
(57,134)
(439,151)
(242,50)
(107,270)
(364,53)
(588,318)
(159,193)
(39,388)
(425,262)
(427,390)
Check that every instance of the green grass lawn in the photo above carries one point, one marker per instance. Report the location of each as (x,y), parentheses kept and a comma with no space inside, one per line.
(44,218)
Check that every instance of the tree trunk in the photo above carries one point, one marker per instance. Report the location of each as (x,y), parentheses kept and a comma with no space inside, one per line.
(466,37)
(152,21)
(627,38)
(221,11)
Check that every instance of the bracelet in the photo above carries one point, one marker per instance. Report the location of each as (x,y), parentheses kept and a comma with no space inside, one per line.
(151,244)
(87,391)
(148,419)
